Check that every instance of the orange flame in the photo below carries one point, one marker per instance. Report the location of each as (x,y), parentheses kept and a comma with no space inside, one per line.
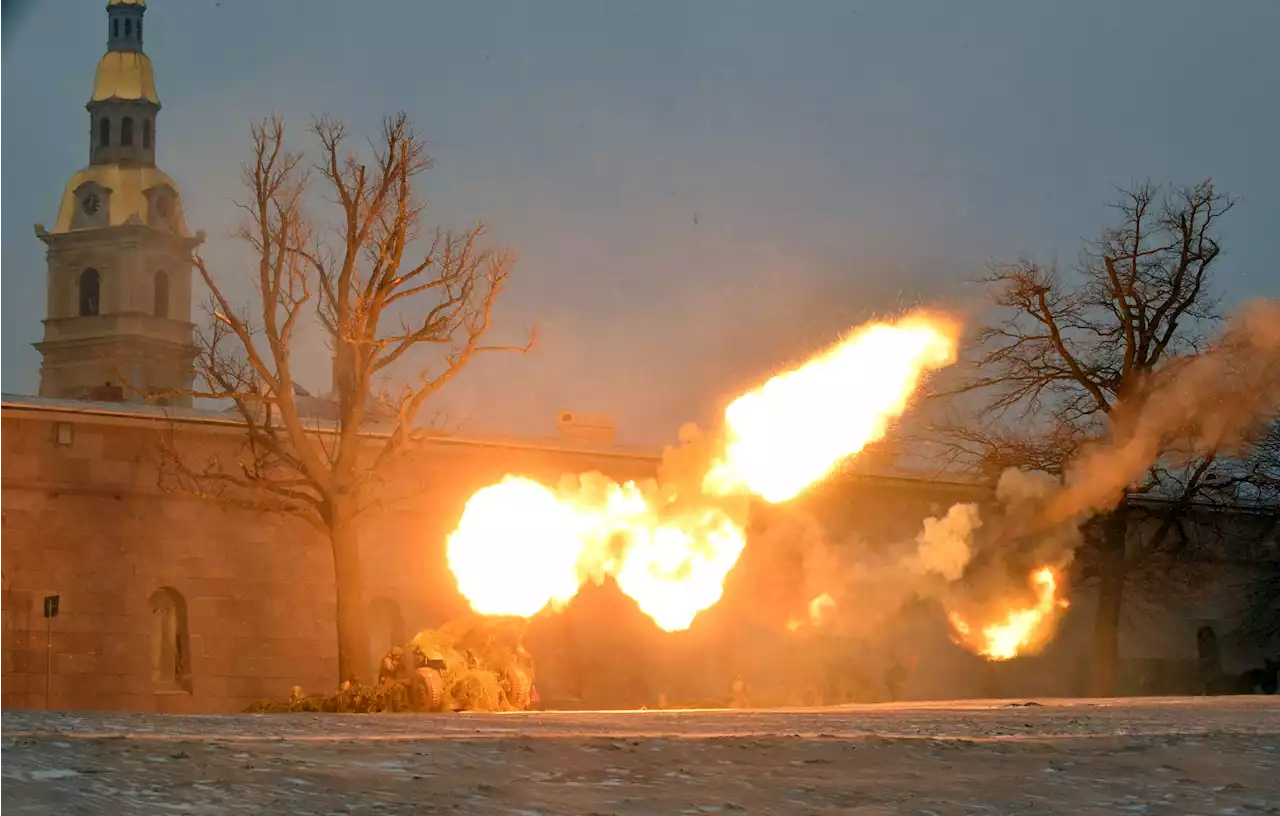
(1020,629)
(796,428)
(520,546)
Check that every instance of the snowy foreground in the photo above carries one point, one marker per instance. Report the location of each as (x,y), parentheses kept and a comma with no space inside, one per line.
(1198,755)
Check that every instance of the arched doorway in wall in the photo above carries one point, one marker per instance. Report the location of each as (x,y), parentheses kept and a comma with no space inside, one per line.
(386,629)
(170,641)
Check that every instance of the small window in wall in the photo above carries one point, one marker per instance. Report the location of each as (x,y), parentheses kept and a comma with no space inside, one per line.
(146,134)
(104,132)
(170,642)
(90,282)
(126,131)
(128,28)
(115,28)
(161,294)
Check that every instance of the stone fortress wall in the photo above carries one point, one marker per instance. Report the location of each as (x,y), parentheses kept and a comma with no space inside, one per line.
(248,597)
(85,517)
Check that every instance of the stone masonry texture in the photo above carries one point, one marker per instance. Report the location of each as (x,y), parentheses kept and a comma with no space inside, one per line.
(89,521)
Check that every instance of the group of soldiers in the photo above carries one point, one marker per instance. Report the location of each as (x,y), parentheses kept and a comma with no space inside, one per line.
(395,668)
(428,679)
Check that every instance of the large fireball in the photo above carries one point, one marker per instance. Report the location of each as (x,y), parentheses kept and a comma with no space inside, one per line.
(521,546)
(516,549)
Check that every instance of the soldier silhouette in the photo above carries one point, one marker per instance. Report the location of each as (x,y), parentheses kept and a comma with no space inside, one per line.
(392,666)
(1209,659)
(895,679)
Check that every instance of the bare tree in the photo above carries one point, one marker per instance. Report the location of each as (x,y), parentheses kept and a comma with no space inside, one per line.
(383,292)
(1071,356)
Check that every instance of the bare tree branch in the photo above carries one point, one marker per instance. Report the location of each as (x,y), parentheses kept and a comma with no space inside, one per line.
(383,300)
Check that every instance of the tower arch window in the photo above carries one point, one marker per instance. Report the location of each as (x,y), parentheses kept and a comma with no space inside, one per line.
(139,29)
(90,282)
(170,641)
(104,132)
(115,28)
(161,294)
(146,134)
(128,28)
(126,131)
(162,210)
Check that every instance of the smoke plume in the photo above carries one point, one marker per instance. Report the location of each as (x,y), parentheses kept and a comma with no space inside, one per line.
(793,562)
(945,545)
(1211,402)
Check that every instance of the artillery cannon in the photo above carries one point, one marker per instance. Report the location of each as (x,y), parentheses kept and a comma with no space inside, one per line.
(471,664)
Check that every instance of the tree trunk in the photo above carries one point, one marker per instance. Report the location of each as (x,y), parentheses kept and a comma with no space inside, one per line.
(354,660)
(1106,625)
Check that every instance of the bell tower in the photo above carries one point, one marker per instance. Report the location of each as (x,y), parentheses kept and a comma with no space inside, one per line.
(118,317)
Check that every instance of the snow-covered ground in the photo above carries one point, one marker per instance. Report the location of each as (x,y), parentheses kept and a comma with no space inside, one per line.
(1198,755)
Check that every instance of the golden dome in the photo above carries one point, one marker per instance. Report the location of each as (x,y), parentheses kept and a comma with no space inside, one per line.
(125,75)
(127,202)
(111,3)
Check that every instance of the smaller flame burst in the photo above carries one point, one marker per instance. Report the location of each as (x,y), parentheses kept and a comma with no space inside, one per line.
(1016,630)
(818,609)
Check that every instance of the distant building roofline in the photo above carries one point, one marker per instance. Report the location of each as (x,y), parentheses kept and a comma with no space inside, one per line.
(136,412)
(50,407)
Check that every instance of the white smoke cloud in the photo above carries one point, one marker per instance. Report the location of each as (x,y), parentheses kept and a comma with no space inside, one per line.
(945,545)
(1018,489)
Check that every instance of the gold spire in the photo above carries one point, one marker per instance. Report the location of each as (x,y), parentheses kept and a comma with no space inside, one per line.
(125,75)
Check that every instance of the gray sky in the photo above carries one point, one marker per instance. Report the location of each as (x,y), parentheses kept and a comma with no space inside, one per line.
(842,158)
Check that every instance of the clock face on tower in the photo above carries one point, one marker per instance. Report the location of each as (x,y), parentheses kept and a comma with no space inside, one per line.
(90,203)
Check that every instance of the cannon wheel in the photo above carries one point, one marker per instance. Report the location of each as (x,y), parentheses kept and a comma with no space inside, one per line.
(426,690)
(518,689)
